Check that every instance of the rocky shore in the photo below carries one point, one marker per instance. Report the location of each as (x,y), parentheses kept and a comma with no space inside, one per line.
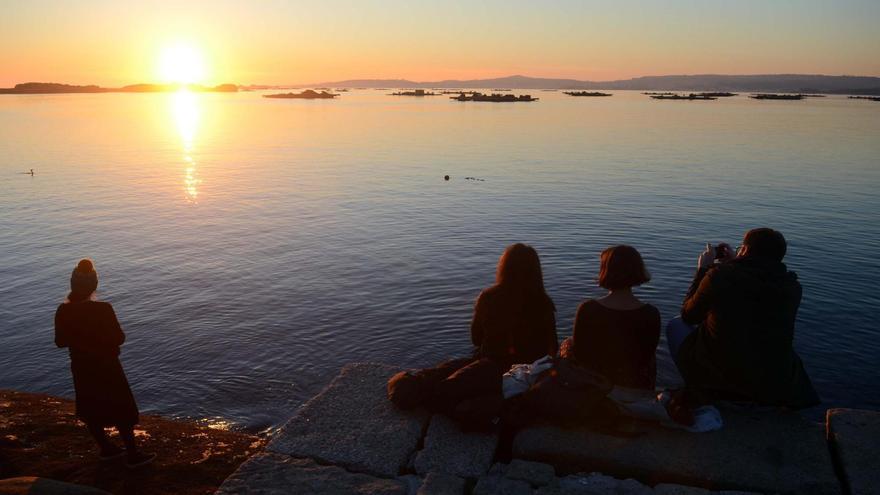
(42,446)
(350,439)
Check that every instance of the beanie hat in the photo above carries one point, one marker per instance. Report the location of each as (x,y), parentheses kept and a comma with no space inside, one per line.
(84,279)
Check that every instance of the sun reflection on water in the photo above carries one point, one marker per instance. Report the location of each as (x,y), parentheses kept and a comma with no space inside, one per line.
(186,113)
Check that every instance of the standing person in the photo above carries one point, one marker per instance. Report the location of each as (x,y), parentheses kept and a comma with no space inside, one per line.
(734,337)
(90,331)
(616,335)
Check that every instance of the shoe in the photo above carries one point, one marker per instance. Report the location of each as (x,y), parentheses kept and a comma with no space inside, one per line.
(139,459)
(113,453)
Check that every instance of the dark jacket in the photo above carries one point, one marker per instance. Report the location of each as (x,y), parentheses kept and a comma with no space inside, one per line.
(621,345)
(509,329)
(742,348)
(92,333)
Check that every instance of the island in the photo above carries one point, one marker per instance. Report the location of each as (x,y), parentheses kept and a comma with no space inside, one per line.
(305,95)
(494,97)
(689,97)
(31,88)
(418,92)
(586,93)
(774,96)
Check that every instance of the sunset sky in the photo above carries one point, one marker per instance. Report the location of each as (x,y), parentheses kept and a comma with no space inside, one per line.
(287,42)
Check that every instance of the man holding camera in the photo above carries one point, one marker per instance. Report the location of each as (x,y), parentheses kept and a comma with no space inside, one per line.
(733,339)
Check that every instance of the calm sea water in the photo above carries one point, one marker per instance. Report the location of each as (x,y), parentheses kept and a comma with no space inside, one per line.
(251,247)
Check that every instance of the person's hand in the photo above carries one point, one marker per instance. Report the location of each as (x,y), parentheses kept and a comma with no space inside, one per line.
(706,258)
(724,252)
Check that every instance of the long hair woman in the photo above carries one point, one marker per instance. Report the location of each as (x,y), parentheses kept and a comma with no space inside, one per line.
(617,335)
(91,332)
(515,320)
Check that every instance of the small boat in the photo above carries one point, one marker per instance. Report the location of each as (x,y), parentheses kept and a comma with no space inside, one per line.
(654,93)
(774,96)
(305,95)
(872,98)
(689,97)
(586,93)
(494,97)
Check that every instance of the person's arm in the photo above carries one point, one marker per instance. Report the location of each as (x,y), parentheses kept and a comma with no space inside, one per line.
(579,333)
(478,327)
(552,338)
(113,334)
(699,300)
(62,339)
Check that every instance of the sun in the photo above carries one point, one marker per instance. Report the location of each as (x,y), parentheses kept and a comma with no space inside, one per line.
(182,63)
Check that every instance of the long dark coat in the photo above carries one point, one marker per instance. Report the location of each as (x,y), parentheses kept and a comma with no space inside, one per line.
(742,348)
(92,333)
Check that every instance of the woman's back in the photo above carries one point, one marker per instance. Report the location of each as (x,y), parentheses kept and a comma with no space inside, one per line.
(88,327)
(618,343)
(514,328)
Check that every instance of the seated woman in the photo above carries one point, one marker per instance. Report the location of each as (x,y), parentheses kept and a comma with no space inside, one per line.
(90,330)
(617,335)
(515,320)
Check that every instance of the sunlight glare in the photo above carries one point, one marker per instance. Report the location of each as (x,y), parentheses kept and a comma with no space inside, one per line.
(182,63)
(185,109)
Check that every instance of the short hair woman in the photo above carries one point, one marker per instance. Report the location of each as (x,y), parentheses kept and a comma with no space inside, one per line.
(617,335)
(92,334)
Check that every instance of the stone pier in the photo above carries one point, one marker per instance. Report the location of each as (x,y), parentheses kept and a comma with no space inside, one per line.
(351,439)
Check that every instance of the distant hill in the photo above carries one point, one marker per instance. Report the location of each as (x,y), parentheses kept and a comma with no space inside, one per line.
(804,83)
(52,88)
(785,83)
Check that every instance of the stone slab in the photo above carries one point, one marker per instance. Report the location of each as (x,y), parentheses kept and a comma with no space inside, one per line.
(277,474)
(352,424)
(534,473)
(670,489)
(497,485)
(594,484)
(451,451)
(855,439)
(769,451)
(30,485)
(442,484)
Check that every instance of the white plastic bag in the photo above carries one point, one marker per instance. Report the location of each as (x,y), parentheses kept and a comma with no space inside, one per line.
(521,376)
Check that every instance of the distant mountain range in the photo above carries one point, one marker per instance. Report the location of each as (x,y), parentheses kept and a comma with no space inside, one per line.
(784,83)
(797,83)
(52,88)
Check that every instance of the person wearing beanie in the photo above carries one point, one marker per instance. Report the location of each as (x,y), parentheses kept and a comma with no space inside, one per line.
(91,332)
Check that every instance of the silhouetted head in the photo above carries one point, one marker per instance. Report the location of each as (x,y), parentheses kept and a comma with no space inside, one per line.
(764,243)
(519,267)
(621,267)
(83,281)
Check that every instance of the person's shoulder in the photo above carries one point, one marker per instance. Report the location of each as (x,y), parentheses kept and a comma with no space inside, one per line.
(589,305)
(650,309)
(101,306)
